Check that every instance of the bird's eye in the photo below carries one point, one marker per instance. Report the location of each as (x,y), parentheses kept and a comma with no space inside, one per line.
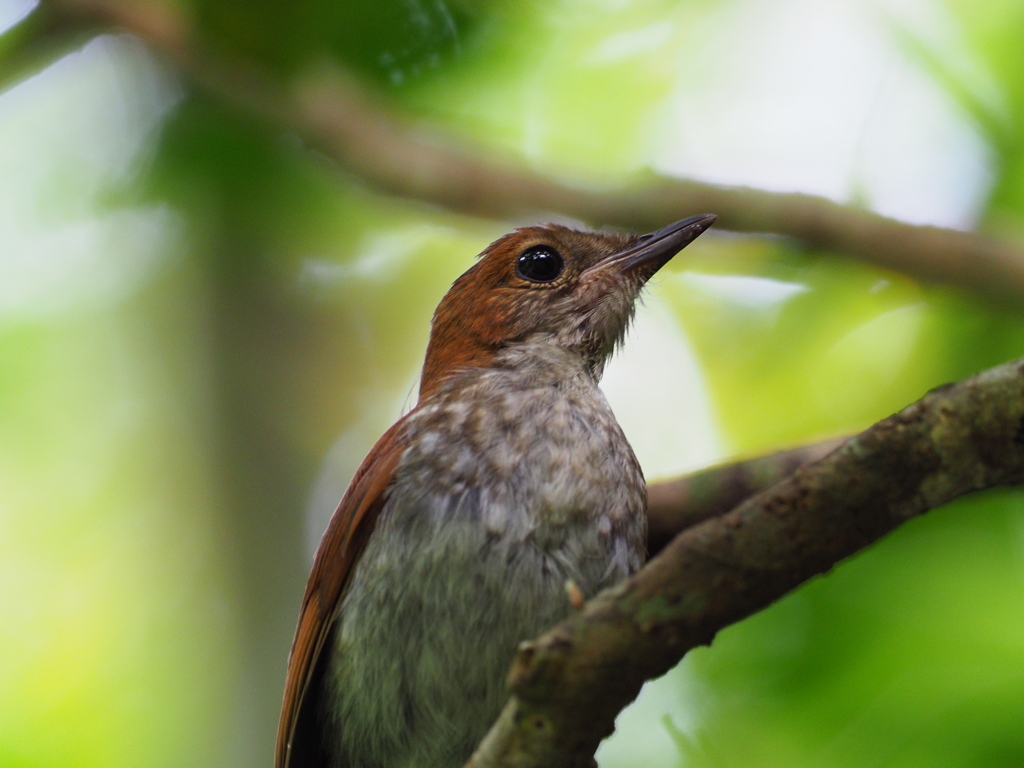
(539,264)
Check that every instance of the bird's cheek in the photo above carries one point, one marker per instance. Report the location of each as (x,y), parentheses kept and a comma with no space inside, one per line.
(496,319)
(611,317)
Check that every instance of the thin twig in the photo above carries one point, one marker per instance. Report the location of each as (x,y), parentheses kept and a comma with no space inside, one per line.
(373,141)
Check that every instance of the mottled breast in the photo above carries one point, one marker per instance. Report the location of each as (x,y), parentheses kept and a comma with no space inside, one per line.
(514,482)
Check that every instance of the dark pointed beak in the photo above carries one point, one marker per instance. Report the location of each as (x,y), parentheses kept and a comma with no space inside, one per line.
(651,252)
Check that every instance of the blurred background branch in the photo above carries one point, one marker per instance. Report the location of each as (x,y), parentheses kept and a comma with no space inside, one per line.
(372,140)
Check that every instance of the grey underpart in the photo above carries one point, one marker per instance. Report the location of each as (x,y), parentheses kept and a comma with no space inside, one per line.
(516,479)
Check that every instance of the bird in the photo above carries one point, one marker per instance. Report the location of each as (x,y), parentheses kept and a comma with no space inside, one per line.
(483,516)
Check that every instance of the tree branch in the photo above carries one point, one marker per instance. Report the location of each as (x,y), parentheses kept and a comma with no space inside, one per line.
(333,112)
(683,502)
(569,684)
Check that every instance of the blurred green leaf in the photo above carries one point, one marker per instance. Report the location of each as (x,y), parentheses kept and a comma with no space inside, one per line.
(393,41)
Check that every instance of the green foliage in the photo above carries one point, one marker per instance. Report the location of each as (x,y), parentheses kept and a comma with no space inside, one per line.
(392,40)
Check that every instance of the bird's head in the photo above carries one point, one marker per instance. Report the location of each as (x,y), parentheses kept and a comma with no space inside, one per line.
(548,284)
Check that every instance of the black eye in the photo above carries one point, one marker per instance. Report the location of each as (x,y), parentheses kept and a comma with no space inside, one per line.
(539,264)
